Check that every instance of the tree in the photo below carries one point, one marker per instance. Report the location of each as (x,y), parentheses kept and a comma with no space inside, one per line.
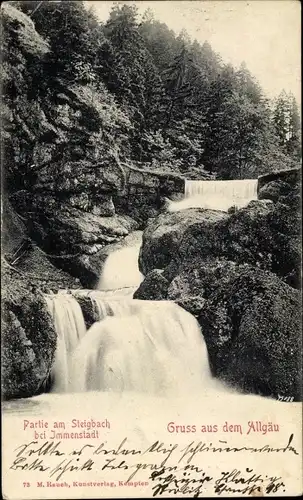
(185,107)
(294,137)
(73,33)
(281,118)
(247,85)
(133,76)
(286,122)
(239,127)
(177,86)
(221,90)
(159,40)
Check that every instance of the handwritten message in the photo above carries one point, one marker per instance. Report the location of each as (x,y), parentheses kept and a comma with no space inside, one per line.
(162,467)
(114,446)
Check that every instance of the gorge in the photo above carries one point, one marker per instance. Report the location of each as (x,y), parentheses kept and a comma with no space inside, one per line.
(123,278)
(161,331)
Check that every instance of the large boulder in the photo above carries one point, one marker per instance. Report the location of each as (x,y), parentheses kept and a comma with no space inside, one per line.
(281,183)
(263,234)
(266,235)
(167,235)
(154,286)
(189,284)
(25,259)
(197,280)
(71,237)
(274,190)
(241,236)
(28,337)
(251,325)
(282,187)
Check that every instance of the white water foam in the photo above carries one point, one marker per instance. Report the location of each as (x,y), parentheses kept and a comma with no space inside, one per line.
(216,195)
(149,347)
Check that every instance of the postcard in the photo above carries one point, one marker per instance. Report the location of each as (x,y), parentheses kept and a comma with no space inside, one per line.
(151,249)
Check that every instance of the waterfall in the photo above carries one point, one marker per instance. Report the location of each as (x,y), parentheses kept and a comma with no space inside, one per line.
(119,292)
(156,348)
(245,189)
(70,328)
(121,268)
(216,195)
(152,347)
(143,346)
(110,303)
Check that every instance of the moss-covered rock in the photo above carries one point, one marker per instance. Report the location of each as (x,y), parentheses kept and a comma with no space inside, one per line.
(284,188)
(279,181)
(88,308)
(197,280)
(28,338)
(167,235)
(263,234)
(154,286)
(242,236)
(273,190)
(251,325)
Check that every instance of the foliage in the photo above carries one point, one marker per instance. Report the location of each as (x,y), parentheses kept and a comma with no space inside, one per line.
(286,121)
(187,111)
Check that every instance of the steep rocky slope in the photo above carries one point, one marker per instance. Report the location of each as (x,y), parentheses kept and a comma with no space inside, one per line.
(62,146)
(239,274)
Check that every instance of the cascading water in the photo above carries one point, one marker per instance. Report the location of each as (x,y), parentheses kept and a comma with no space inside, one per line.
(238,189)
(70,328)
(121,268)
(143,346)
(156,348)
(216,195)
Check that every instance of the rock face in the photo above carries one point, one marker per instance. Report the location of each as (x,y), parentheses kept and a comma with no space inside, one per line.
(238,274)
(73,239)
(283,180)
(264,234)
(28,338)
(251,325)
(166,235)
(25,260)
(145,191)
(62,143)
(154,287)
